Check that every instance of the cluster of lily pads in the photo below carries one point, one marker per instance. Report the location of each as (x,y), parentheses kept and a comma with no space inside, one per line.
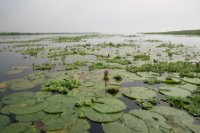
(43,66)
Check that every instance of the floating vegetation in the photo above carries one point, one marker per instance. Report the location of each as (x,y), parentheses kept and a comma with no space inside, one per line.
(170,90)
(103,66)
(140,93)
(119,61)
(43,66)
(12,72)
(61,86)
(118,77)
(142,57)
(152,80)
(32,51)
(3,85)
(161,67)
(73,38)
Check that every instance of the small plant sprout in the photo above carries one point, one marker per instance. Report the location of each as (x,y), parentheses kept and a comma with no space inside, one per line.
(106,78)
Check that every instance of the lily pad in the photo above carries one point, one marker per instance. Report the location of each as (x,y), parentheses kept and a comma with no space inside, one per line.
(189,87)
(14,71)
(3,85)
(156,123)
(126,124)
(59,103)
(79,126)
(88,84)
(174,91)
(30,117)
(102,117)
(42,94)
(178,117)
(108,105)
(16,128)
(4,121)
(140,93)
(195,81)
(17,97)
(28,107)
(148,74)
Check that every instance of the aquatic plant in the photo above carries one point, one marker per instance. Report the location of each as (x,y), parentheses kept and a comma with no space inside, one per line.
(31,51)
(142,57)
(118,77)
(151,81)
(43,66)
(103,66)
(112,91)
(119,61)
(62,86)
(106,78)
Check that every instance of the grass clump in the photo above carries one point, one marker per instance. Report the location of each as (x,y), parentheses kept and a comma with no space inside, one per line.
(43,66)
(61,86)
(142,57)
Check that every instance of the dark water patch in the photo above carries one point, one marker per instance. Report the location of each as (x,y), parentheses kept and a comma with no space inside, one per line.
(196,121)
(96,127)
(130,104)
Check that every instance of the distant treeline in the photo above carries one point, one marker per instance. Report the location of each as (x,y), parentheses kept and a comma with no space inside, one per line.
(21,34)
(183,32)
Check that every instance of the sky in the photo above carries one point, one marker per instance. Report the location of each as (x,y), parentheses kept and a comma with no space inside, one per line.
(106,16)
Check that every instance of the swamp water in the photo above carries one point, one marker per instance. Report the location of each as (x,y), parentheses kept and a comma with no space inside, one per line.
(53,83)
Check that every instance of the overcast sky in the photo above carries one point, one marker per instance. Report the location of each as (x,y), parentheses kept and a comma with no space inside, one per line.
(108,16)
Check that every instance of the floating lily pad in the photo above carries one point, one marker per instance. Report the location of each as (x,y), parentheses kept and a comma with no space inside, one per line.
(156,123)
(42,94)
(30,117)
(4,121)
(17,97)
(27,82)
(148,74)
(102,117)
(140,93)
(88,84)
(80,126)
(59,103)
(14,71)
(174,91)
(3,85)
(178,117)
(16,128)
(126,124)
(28,107)
(195,81)
(108,105)
(189,87)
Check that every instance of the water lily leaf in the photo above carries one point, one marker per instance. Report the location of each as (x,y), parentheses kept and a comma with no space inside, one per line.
(17,97)
(148,74)
(3,85)
(126,124)
(188,87)
(28,107)
(30,117)
(195,81)
(174,91)
(42,94)
(140,93)
(108,105)
(80,126)
(14,71)
(4,120)
(16,128)
(156,123)
(177,117)
(102,117)
(88,84)
(59,103)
